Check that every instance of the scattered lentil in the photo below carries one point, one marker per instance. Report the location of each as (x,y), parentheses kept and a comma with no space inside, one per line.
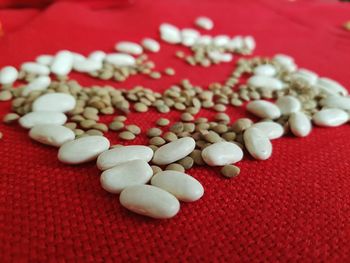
(175,167)
(230,171)
(126,135)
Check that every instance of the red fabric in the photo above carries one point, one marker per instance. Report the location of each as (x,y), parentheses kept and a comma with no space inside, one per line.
(293,207)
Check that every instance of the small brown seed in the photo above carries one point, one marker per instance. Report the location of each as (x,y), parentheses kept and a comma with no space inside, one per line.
(222,117)
(186,117)
(77,118)
(101,127)
(347,25)
(202,126)
(201,120)
(78,132)
(179,106)
(163,122)
(177,127)
(120,118)
(196,155)
(126,135)
(175,167)
(163,108)
(220,128)
(212,137)
(116,125)
(236,102)
(219,107)
(189,127)
(154,132)
(157,141)
(229,136)
(94,132)
(169,71)
(180,54)
(155,75)
(133,129)
(153,147)
(169,136)
(140,107)
(10,118)
(156,169)
(87,124)
(241,125)
(71,125)
(1,135)
(186,162)
(116,146)
(230,171)
(5,95)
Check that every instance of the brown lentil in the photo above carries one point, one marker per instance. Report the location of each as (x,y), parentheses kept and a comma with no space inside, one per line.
(126,135)
(5,95)
(156,169)
(101,127)
(169,136)
(230,171)
(163,122)
(154,132)
(116,125)
(169,71)
(157,141)
(94,132)
(196,155)
(133,129)
(175,167)
(10,118)
(186,162)
(241,125)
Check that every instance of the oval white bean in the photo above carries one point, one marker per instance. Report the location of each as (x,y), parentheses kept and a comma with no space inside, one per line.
(8,75)
(236,43)
(82,150)
(204,23)
(189,36)
(221,40)
(183,186)
(288,104)
(44,60)
(220,57)
(62,64)
(174,151)
(170,33)
(135,172)
(265,70)
(54,102)
(121,60)
(331,86)
(97,56)
(87,65)
(271,129)
(257,143)
(31,119)
(300,125)
(204,40)
(222,153)
(336,102)
(40,83)
(151,45)
(35,68)
(149,200)
(264,109)
(129,47)
(119,155)
(51,134)
(265,82)
(330,117)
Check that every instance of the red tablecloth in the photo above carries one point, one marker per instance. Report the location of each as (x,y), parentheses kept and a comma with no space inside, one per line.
(293,207)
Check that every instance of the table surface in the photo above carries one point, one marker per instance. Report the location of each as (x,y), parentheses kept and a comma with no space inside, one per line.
(293,207)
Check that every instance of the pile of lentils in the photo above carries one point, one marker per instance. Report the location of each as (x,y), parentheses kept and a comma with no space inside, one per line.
(151,180)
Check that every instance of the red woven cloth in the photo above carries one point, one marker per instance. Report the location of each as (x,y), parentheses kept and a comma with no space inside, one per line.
(293,207)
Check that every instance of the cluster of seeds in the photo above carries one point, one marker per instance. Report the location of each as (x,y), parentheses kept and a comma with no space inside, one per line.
(63,114)
(206,49)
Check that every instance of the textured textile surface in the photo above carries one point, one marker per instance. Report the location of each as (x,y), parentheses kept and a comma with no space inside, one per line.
(293,207)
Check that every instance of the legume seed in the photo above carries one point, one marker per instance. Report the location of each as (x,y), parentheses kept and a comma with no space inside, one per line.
(230,171)
(126,135)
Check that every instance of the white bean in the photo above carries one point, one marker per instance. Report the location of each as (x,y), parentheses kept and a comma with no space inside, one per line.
(54,102)
(62,63)
(265,82)
(8,75)
(35,68)
(264,109)
(129,47)
(288,104)
(82,150)
(40,83)
(31,119)
(135,172)
(119,155)
(121,60)
(330,117)
(257,143)
(222,153)
(51,134)
(174,151)
(149,200)
(183,186)
(151,45)
(300,125)
(271,129)
(170,33)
